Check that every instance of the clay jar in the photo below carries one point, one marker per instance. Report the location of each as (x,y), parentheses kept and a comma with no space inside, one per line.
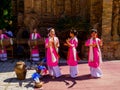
(20,70)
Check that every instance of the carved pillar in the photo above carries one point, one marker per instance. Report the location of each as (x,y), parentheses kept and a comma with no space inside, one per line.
(20,19)
(73,7)
(14,12)
(95,11)
(85,10)
(14,7)
(119,20)
(28,6)
(44,7)
(20,6)
(116,17)
(37,6)
(20,12)
(67,7)
(77,7)
(60,7)
(49,4)
(54,7)
(107,20)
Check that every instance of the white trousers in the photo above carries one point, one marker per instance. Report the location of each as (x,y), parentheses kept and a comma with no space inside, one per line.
(54,71)
(3,56)
(95,72)
(35,57)
(73,71)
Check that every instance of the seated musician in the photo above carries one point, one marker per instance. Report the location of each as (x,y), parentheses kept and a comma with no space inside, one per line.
(8,33)
(34,49)
(3,53)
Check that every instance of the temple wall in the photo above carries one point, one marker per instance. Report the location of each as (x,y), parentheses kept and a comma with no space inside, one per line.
(103,15)
(110,29)
(111,50)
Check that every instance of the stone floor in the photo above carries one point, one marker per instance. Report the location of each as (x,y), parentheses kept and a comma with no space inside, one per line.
(109,81)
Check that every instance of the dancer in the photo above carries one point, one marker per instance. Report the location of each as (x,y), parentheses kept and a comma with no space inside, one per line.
(52,44)
(34,49)
(3,53)
(94,57)
(72,43)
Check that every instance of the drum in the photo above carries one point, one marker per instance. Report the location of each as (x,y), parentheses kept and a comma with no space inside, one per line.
(41,41)
(32,43)
(6,42)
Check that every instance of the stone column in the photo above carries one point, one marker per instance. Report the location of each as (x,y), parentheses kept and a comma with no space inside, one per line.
(107,20)
(49,4)
(28,6)
(77,7)
(73,7)
(95,11)
(60,7)
(20,19)
(14,12)
(14,7)
(54,8)
(67,7)
(20,6)
(85,7)
(20,12)
(115,24)
(44,7)
(37,6)
(119,20)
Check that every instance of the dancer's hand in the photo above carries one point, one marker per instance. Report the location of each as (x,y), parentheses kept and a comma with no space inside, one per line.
(67,40)
(94,45)
(91,45)
(65,44)
(57,44)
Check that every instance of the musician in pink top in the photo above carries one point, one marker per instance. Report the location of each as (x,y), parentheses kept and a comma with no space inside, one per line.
(72,43)
(52,44)
(3,53)
(34,49)
(94,55)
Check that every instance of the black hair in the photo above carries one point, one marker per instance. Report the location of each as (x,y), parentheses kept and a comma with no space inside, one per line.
(74,32)
(34,28)
(49,29)
(93,30)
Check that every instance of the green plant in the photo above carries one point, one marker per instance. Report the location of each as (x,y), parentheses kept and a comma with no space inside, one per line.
(6,16)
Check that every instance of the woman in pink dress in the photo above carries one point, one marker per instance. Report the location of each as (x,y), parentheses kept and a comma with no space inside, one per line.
(72,43)
(3,53)
(94,57)
(34,49)
(52,44)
